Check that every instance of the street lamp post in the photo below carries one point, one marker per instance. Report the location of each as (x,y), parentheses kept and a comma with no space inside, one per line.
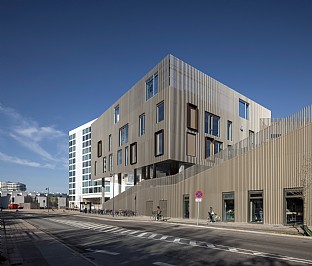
(48,198)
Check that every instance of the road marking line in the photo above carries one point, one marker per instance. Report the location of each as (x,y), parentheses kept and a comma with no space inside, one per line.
(162,264)
(134,232)
(192,243)
(152,236)
(176,240)
(142,234)
(233,249)
(103,251)
(163,237)
(209,245)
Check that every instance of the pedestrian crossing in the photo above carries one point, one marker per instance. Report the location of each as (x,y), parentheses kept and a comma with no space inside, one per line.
(172,239)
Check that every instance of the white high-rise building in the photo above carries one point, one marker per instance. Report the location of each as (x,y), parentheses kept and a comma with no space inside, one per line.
(82,189)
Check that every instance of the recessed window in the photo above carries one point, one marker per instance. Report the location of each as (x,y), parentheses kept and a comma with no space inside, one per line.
(99,149)
(212,124)
(160,112)
(142,125)
(190,144)
(119,157)
(126,155)
(251,137)
(243,109)
(133,153)
(110,143)
(217,146)
(151,86)
(192,116)
(123,135)
(104,164)
(116,114)
(110,166)
(159,143)
(212,147)
(229,130)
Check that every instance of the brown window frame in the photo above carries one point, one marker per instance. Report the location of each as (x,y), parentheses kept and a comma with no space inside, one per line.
(191,107)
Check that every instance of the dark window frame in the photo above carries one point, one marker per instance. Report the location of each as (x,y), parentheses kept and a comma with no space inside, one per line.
(162,142)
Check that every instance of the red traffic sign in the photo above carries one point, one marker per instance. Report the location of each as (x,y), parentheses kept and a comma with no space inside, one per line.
(199,194)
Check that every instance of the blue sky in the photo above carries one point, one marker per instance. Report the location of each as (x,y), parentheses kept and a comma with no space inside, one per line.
(63,63)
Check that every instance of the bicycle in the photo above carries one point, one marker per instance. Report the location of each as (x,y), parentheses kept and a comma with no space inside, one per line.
(215,218)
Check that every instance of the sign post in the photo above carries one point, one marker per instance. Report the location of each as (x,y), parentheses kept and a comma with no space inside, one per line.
(198,198)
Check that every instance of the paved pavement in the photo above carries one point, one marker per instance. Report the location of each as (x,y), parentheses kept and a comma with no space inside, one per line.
(23,244)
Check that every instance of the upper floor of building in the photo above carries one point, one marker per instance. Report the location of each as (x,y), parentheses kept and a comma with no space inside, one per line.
(174,113)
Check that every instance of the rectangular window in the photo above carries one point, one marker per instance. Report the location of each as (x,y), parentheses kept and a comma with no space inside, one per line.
(190,144)
(119,157)
(212,124)
(159,143)
(208,147)
(99,149)
(160,112)
(229,130)
(126,155)
(110,143)
(192,117)
(142,125)
(104,164)
(95,164)
(116,114)
(151,86)
(243,109)
(251,137)
(217,146)
(133,153)
(123,135)
(110,166)
(212,147)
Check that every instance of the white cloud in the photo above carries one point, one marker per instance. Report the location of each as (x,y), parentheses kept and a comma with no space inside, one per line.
(16,160)
(44,141)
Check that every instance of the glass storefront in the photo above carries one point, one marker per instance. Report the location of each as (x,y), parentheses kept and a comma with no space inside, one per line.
(228,207)
(293,206)
(256,206)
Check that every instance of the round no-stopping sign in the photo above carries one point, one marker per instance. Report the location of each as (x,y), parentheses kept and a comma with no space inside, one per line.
(199,194)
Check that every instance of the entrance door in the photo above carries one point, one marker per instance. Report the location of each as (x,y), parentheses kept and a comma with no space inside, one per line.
(163,207)
(186,206)
(228,207)
(294,206)
(149,208)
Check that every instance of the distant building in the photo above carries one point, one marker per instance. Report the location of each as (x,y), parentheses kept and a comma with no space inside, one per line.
(12,186)
(82,189)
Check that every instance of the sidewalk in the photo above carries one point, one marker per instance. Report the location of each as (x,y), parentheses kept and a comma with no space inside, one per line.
(248,227)
(24,244)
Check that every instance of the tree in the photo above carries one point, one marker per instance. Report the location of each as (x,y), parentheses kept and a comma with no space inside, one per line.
(305,176)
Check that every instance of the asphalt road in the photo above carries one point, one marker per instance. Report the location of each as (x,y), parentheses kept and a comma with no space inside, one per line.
(106,241)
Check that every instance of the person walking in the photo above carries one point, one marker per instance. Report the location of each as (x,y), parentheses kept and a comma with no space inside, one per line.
(158,213)
(211,214)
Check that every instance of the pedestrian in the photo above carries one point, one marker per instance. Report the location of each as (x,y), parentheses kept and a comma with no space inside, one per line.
(211,214)
(158,213)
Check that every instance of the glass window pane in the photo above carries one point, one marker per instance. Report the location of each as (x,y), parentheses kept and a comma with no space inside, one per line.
(160,112)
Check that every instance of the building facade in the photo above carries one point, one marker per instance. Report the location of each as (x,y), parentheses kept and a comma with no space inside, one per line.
(173,118)
(178,131)
(266,180)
